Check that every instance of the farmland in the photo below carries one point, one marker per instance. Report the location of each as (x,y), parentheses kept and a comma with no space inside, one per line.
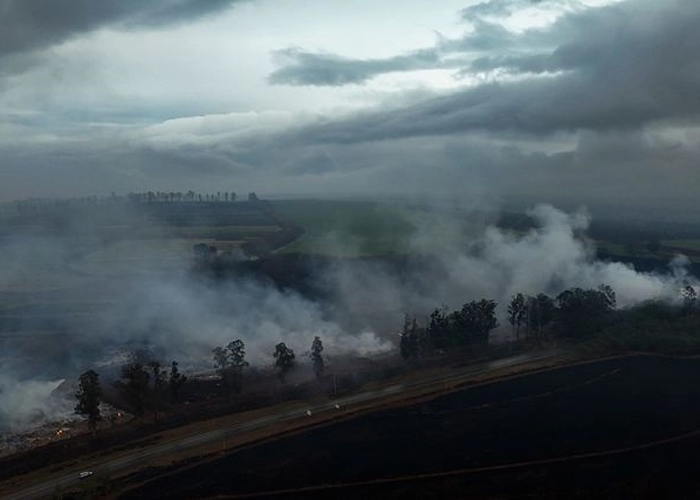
(67,264)
(364,228)
(346,228)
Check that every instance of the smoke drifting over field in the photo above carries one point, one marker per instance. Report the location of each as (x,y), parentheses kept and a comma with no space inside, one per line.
(180,316)
(481,260)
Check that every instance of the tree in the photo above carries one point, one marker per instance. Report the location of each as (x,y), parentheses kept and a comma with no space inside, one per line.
(236,349)
(516,313)
(135,379)
(284,359)
(177,380)
(690,298)
(88,396)
(159,375)
(316,357)
(221,360)
(582,312)
(439,330)
(229,362)
(408,344)
(472,324)
(609,296)
(541,311)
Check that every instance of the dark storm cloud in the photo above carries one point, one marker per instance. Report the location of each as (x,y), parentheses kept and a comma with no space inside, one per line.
(27,25)
(618,67)
(307,68)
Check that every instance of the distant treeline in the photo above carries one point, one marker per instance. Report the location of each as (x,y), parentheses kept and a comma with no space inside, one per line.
(38,204)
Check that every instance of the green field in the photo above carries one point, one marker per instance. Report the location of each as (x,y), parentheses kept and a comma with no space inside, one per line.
(364,228)
(346,228)
(667,251)
(691,245)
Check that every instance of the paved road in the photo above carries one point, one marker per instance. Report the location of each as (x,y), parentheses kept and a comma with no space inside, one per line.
(110,467)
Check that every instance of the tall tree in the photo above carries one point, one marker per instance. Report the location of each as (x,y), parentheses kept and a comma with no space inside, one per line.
(177,380)
(284,360)
(159,375)
(317,357)
(609,296)
(408,344)
(221,360)
(439,329)
(135,380)
(583,312)
(229,362)
(541,312)
(516,313)
(89,395)
(236,353)
(471,325)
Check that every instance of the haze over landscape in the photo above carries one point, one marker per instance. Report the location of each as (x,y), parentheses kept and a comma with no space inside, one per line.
(177,174)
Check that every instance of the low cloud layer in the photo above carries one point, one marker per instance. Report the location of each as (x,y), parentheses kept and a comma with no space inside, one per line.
(517,99)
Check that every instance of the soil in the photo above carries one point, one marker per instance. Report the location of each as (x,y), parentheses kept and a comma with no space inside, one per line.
(523,437)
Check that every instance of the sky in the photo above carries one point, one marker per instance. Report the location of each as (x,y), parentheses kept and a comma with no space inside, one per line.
(589,102)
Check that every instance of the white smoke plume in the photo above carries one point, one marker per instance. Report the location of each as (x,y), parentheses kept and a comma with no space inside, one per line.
(178,316)
(479,260)
(26,403)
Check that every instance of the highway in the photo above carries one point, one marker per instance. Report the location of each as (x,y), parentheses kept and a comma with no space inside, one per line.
(112,467)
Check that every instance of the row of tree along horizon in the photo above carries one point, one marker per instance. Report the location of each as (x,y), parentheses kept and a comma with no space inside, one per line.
(148,197)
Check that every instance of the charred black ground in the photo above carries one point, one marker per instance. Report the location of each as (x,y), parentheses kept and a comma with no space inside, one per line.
(581,409)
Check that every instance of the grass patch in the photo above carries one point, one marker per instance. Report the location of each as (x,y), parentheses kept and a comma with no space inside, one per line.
(346,228)
(691,245)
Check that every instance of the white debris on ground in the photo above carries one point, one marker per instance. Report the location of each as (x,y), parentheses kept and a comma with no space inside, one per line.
(48,432)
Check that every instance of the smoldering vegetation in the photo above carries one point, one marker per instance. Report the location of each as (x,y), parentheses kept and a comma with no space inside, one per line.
(85,290)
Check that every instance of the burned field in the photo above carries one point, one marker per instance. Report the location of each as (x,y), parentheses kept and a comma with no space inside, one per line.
(609,426)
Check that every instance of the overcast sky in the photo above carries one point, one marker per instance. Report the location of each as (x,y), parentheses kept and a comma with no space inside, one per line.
(592,101)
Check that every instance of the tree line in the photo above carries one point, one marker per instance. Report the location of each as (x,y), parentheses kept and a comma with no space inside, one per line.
(191,196)
(145,384)
(573,313)
(589,317)
(466,327)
